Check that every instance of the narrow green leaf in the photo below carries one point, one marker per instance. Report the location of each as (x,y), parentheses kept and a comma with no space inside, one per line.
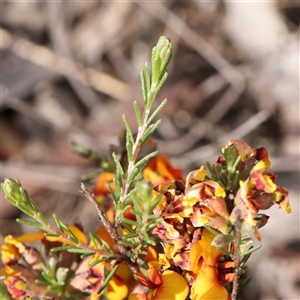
(235,180)
(131,235)
(47,278)
(151,226)
(118,187)
(137,113)
(236,162)
(62,248)
(160,84)
(212,171)
(108,278)
(95,237)
(155,202)
(131,189)
(80,251)
(223,251)
(26,199)
(145,159)
(113,194)
(244,260)
(44,269)
(24,209)
(119,169)
(134,195)
(144,86)
(42,218)
(86,255)
(211,230)
(133,175)
(152,242)
(142,263)
(223,181)
(52,235)
(157,110)
(31,223)
(244,174)
(244,283)
(41,282)
(149,131)
(128,228)
(126,207)
(251,250)
(58,223)
(129,147)
(148,239)
(147,77)
(10,200)
(87,153)
(129,221)
(137,209)
(155,66)
(128,244)
(33,205)
(96,262)
(226,154)
(91,234)
(29,202)
(166,59)
(136,212)
(130,135)
(90,176)
(72,237)
(139,220)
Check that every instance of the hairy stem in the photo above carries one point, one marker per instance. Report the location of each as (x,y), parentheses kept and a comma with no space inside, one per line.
(124,251)
(236,256)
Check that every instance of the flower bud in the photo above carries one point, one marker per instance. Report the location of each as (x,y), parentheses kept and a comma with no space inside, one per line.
(12,189)
(61,274)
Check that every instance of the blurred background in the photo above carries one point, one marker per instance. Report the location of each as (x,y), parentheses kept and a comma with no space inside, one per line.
(69,70)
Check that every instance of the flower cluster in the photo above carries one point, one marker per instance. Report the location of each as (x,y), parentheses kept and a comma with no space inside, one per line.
(199,216)
(31,272)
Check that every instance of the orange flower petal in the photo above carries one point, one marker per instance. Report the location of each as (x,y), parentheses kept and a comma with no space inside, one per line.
(173,287)
(154,178)
(207,285)
(210,253)
(151,254)
(100,189)
(9,271)
(160,170)
(203,248)
(195,255)
(30,237)
(105,236)
(116,289)
(11,250)
(154,276)
(142,279)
